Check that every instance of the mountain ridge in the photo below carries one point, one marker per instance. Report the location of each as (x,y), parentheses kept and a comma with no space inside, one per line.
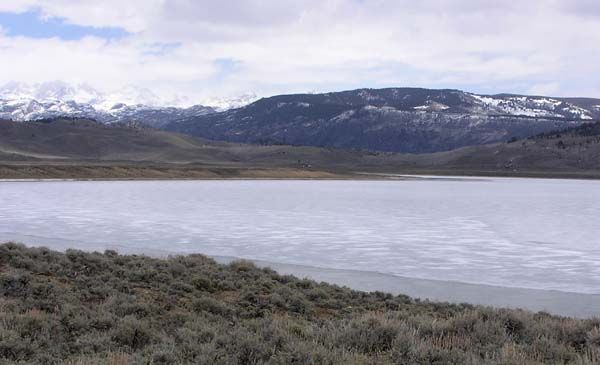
(413,120)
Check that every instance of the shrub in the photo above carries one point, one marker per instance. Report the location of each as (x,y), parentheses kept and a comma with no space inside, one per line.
(210,305)
(203,283)
(91,308)
(369,335)
(132,333)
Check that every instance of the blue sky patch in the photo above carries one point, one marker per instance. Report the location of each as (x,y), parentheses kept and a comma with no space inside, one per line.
(32,25)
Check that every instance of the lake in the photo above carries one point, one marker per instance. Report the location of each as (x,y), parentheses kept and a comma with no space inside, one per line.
(524,233)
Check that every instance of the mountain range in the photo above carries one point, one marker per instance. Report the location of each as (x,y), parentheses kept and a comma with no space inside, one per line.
(410,120)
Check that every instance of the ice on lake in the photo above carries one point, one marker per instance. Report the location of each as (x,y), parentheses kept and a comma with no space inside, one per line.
(530,233)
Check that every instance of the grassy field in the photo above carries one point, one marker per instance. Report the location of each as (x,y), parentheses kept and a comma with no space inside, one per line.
(121,171)
(104,308)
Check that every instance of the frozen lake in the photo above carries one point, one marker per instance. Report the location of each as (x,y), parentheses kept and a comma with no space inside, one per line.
(527,233)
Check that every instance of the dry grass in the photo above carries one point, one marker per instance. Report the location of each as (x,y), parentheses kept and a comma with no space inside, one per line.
(159,172)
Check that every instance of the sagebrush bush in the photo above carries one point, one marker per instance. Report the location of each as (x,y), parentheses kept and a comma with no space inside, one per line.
(92,308)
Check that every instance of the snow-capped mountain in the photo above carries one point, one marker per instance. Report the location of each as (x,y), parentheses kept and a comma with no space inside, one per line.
(22,102)
(50,91)
(226,103)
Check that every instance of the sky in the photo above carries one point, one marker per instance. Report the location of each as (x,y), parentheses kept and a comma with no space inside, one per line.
(204,48)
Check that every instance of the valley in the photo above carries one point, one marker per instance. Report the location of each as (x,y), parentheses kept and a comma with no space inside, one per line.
(81,148)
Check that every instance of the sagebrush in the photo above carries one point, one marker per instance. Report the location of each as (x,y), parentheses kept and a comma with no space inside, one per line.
(105,308)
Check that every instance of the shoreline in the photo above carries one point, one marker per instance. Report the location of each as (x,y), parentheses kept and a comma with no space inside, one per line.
(127,171)
(570,304)
(355,176)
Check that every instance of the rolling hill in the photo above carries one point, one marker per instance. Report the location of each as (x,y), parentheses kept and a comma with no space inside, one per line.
(75,142)
(82,148)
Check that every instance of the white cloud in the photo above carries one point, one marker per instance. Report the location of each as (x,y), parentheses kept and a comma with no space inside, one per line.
(503,46)
(549,88)
(16,6)
(96,61)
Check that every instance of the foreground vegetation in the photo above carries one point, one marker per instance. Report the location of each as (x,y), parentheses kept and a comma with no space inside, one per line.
(93,308)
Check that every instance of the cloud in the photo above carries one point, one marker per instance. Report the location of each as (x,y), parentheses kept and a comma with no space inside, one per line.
(97,61)
(549,88)
(585,8)
(16,6)
(179,46)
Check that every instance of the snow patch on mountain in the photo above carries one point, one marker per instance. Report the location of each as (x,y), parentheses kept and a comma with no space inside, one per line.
(368,96)
(578,112)
(294,104)
(344,116)
(226,103)
(431,106)
(530,107)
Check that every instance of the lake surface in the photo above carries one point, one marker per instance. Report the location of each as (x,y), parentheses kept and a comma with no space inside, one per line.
(527,233)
